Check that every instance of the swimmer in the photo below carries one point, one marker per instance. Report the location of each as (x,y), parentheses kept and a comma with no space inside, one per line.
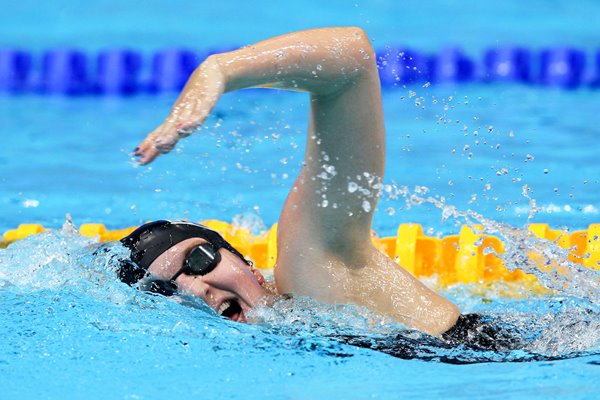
(324,250)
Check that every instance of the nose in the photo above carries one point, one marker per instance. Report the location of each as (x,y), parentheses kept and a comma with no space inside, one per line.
(194,285)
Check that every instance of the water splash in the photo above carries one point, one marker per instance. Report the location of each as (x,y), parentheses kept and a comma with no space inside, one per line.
(41,261)
(54,267)
(565,322)
(545,259)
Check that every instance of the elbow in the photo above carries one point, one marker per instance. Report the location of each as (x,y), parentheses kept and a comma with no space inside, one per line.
(361,46)
(358,46)
(214,61)
(217,64)
(360,35)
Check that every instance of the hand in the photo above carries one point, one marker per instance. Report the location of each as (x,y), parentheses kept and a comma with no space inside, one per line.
(198,98)
(160,141)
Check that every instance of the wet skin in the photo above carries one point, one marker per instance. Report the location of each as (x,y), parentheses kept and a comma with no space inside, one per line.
(323,251)
(231,282)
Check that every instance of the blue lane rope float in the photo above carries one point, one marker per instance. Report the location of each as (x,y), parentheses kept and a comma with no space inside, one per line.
(65,71)
(15,68)
(171,69)
(555,65)
(451,65)
(118,71)
(508,64)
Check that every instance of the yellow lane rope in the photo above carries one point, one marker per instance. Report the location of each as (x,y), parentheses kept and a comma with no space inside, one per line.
(468,257)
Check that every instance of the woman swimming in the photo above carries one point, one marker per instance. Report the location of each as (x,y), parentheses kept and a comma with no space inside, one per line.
(324,250)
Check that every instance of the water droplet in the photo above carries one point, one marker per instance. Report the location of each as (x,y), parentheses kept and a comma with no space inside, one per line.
(366,206)
(31,203)
(391,211)
(352,187)
(330,169)
(546,170)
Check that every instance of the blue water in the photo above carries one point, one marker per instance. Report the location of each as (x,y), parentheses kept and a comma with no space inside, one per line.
(69,330)
(480,153)
(153,24)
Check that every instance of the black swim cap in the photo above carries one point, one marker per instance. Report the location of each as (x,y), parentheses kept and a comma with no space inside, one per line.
(154,238)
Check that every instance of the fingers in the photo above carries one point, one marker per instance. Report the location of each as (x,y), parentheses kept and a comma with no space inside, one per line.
(161,141)
(146,157)
(154,145)
(146,152)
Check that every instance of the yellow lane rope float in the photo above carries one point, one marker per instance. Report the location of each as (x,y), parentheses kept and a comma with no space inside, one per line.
(468,257)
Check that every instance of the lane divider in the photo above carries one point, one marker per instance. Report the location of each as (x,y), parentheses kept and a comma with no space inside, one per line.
(122,71)
(468,257)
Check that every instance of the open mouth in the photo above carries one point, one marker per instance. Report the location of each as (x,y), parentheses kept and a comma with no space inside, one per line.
(230,309)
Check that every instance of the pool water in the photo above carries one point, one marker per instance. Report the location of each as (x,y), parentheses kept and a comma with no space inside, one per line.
(73,329)
(510,154)
(482,143)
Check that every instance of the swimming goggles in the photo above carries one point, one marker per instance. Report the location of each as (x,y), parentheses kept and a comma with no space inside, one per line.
(200,261)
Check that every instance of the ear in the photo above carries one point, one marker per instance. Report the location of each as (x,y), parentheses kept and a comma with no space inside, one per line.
(259,278)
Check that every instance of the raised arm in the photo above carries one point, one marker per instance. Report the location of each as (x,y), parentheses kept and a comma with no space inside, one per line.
(333,199)
(319,61)
(324,245)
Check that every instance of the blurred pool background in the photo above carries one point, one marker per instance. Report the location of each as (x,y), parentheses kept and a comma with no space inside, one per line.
(515,153)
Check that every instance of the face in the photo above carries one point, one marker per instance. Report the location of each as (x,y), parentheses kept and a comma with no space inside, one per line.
(231,288)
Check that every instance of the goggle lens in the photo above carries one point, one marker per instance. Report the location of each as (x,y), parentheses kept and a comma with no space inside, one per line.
(202,260)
